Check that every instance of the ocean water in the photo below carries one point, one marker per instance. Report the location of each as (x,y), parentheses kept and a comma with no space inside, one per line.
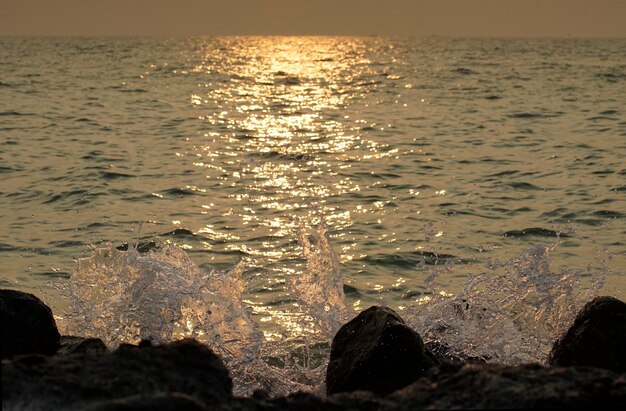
(477,186)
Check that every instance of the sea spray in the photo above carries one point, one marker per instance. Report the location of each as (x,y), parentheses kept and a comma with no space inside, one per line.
(161,295)
(511,313)
(319,289)
(300,360)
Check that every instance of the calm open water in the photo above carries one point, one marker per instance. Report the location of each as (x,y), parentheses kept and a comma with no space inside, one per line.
(421,156)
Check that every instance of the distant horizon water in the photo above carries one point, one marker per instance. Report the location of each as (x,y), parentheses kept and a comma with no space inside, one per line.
(319,35)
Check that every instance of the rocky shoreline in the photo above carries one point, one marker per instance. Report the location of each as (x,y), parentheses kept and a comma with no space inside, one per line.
(377,362)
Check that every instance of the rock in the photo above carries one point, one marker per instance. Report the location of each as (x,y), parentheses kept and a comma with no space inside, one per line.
(73,345)
(130,374)
(188,376)
(377,352)
(27,325)
(596,339)
(475,386)
(160,401)
(360,400)
(488,386)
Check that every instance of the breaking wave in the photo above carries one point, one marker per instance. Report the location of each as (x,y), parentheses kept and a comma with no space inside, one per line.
(510,313)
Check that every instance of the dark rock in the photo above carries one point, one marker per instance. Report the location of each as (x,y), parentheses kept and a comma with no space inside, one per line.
(487,386)
(596,339)
(361,400)
(475,386)
(81,380)
(301,402)
(74,345)
(377,352)
(260,394)
(188,376)
(161,401)
(27,325)
(357,400)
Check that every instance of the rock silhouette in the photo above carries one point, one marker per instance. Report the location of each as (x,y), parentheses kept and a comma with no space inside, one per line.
(27,325)
(377,363)
(596,339)
(127,374)
(377,352)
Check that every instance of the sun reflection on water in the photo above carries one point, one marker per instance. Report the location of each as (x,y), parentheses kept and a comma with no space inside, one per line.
(268,146)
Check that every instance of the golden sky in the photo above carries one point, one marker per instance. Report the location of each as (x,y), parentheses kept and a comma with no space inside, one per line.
(541,18)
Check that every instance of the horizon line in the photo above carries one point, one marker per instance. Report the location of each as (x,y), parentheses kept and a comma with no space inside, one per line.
(458,36)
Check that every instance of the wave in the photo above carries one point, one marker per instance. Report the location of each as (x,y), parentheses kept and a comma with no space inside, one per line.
(531,115)
(608,214)
(286,156)
(110,175)
(464,71)
(15,113)
(536,232)
(179,192)
(408,260)
(524,186)
(510,313)
(128,294)
(8,247)
(66,195)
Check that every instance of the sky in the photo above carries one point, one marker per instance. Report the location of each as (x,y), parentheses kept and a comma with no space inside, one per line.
(508,18)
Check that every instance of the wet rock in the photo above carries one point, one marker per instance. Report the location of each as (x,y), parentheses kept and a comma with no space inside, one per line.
(596,339)
(160,401)
(361,400)
(27,325)
(300,402)
(130,374)
(80,345)
(377,352)
(486,386)
(357,400)
(475,386)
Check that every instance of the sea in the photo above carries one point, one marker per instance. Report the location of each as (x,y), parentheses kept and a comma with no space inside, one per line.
(256,193)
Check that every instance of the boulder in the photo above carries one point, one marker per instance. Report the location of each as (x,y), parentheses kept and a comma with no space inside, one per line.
(27,325)
(71,344)
(477,386)
(155,402)
(126,377)
(596,339)
(495,386)
(376,352)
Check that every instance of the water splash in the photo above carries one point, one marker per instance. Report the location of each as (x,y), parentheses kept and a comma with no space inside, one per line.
(320,288)
(161,295)
(301,360)
(124,297)
(510,314)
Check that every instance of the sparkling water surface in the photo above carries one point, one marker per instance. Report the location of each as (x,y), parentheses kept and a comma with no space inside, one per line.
(425,163)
